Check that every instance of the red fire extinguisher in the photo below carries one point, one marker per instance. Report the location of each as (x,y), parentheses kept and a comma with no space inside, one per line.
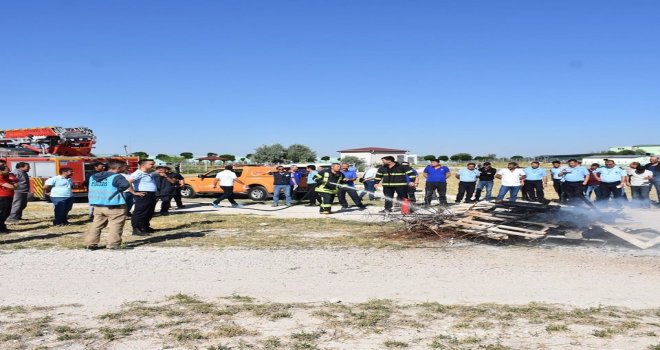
(405,206)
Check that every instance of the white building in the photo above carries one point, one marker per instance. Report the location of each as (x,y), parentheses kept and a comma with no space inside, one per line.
(372,155)
(619,160)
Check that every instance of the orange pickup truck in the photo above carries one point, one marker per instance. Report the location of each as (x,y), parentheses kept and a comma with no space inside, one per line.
(256,177)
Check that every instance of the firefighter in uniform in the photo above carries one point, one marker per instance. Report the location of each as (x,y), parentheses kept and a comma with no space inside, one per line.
(327,186)
(395,178)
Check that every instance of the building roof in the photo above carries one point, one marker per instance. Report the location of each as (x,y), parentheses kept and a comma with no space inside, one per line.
(617,156)
(646,146)
(373,150)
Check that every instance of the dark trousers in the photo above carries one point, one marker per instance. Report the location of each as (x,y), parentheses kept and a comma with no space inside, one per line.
(5,210)
(389,191)
(128,196)
(558,188)
(311,194)
(177,197)
(369,188)
(411,194)
(465,188)
(165,203)
(62,206)
(534,190)
(144,210)
(608,189)
(573,191)
(430,190)
(228,194)
(523,192)
(352,192)
(326,202)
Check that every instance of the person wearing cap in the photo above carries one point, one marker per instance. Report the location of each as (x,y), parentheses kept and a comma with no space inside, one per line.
(486,180)
(535,179)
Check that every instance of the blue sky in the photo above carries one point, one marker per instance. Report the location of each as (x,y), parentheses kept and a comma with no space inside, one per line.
(436,77)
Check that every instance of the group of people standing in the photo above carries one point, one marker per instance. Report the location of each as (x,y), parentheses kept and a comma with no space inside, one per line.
(575,183)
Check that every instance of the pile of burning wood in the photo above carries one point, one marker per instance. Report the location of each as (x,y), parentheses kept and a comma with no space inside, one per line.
(528,221)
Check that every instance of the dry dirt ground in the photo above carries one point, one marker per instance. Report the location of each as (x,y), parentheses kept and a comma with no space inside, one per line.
(212,296)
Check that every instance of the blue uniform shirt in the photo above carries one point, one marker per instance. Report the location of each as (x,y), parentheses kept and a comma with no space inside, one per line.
(436,175)
(467,175)
(60,187)
(310,177)
(610,174)
(576,174)
(143,182)
(535,174)
(556,172)
(350,174)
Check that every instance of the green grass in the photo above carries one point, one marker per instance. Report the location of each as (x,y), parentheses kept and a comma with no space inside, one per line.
(189,321)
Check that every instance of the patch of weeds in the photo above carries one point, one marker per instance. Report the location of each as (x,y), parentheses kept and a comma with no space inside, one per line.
(604,333)
(140,311)
(241,298)
(629,325)
(494,347)
(69,333)
(484,325)
(440,341)
(395,344)
(308,336)
(373,314)
(116,333)
(35,327)
(462,325)
(304,346)
(219,347)
(272,343)
(435,308)
(185,299)
(5,337)
(171,324)
(274,311)
(186,334)
(231,330)
(654,347)
(13,309)
(556,327)
(324,314)
(471,340)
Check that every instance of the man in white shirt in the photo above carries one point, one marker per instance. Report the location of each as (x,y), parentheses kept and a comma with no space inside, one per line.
(226,179)
(369,182)
(512,178)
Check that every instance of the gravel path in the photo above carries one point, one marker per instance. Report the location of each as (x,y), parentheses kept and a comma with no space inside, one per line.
(473,274)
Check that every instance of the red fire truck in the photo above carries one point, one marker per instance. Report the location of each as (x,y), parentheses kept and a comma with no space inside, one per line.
(47,149)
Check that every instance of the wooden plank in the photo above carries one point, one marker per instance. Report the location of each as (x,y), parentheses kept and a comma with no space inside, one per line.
(630,238)
(513,233)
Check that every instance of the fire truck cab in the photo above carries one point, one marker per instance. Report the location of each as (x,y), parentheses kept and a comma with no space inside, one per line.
(48,149)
